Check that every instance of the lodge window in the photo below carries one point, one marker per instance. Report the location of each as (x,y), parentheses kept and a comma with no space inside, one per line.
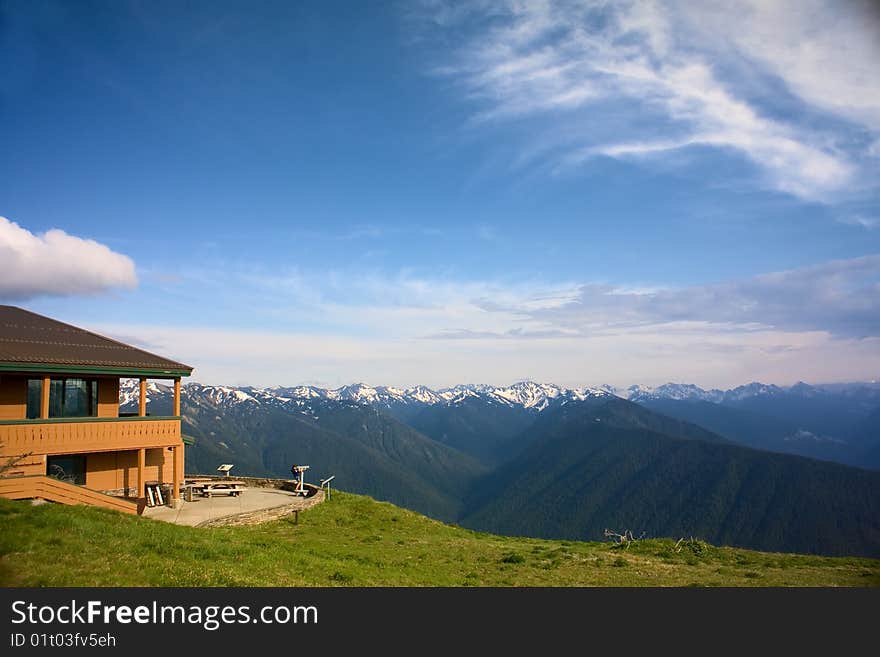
(70,468)
(67,397)
(34,388)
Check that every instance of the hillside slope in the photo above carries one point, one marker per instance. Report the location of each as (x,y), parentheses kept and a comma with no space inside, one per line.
(583,471)
(755,429)
(356,541)
(480,426)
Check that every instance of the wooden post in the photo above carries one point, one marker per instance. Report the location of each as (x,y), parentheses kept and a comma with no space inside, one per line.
(44,398)
(142,457)
(142,398)
(175,481)
(176,397)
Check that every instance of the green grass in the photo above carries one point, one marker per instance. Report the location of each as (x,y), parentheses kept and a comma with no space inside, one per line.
(356,541)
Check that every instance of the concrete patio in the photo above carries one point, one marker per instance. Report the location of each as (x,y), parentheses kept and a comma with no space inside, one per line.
(252,506)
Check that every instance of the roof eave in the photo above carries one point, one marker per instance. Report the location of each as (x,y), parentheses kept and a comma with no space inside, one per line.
(59,368)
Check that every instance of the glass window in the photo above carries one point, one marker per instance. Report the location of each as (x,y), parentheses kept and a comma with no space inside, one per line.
(67,397)
(79,398)
(70,468)
(34,395)
(56,398)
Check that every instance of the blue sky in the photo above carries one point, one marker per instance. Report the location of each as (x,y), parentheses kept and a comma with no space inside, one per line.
(402,193)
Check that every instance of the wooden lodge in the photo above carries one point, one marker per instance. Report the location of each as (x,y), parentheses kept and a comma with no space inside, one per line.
(62,437)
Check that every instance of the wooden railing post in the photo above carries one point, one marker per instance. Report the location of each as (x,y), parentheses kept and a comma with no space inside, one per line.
(142,398)
(176,412)
(141,462)
(175,480)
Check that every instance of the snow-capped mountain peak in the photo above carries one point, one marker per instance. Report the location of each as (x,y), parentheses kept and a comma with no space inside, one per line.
(530,394)
(752,389)
(129,391)
(225,395)
(676,391)
(359,392)
(422,394)
(299,392)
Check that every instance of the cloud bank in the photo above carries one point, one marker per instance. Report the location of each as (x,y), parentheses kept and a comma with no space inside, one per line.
(819,323)
(57,264)
(840,297)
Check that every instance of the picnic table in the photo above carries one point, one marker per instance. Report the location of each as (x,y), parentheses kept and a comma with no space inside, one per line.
(210,487)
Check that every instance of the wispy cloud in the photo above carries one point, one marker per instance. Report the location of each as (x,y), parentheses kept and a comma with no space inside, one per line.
(510,334)
(840,297)
(365,232)
(57,264)
(364,300)
(868,223)
(673,75)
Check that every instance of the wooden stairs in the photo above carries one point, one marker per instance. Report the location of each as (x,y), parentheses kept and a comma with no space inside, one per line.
(54,490)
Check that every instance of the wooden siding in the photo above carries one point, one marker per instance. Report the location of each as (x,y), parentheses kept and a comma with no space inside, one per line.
(13,397)
(47,488)
(108,397)
(32,464)
(118,470)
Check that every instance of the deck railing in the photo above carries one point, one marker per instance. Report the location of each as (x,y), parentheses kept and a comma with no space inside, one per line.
(79,435)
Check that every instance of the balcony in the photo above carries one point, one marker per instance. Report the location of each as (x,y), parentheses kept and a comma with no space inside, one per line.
(92,434)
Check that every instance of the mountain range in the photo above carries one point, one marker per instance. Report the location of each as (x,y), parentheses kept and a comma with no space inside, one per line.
(830,422)
(544,460)
(856,398)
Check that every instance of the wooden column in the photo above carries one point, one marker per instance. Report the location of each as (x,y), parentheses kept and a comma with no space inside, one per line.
(175,478)
(142,398)
(176,397)
(44,398)
(142,458)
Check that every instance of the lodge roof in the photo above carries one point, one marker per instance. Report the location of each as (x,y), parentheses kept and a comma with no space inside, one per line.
(33,343)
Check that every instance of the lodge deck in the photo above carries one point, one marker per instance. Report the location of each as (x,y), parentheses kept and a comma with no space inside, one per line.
(253,502)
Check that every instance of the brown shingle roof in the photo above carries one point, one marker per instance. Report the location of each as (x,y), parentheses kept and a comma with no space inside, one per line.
(29,341)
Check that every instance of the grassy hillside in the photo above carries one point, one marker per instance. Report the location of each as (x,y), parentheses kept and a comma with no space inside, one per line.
(356,541)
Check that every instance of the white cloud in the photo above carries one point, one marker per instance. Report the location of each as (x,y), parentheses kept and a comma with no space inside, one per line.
(57,264)
(826,52)
(670,75)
